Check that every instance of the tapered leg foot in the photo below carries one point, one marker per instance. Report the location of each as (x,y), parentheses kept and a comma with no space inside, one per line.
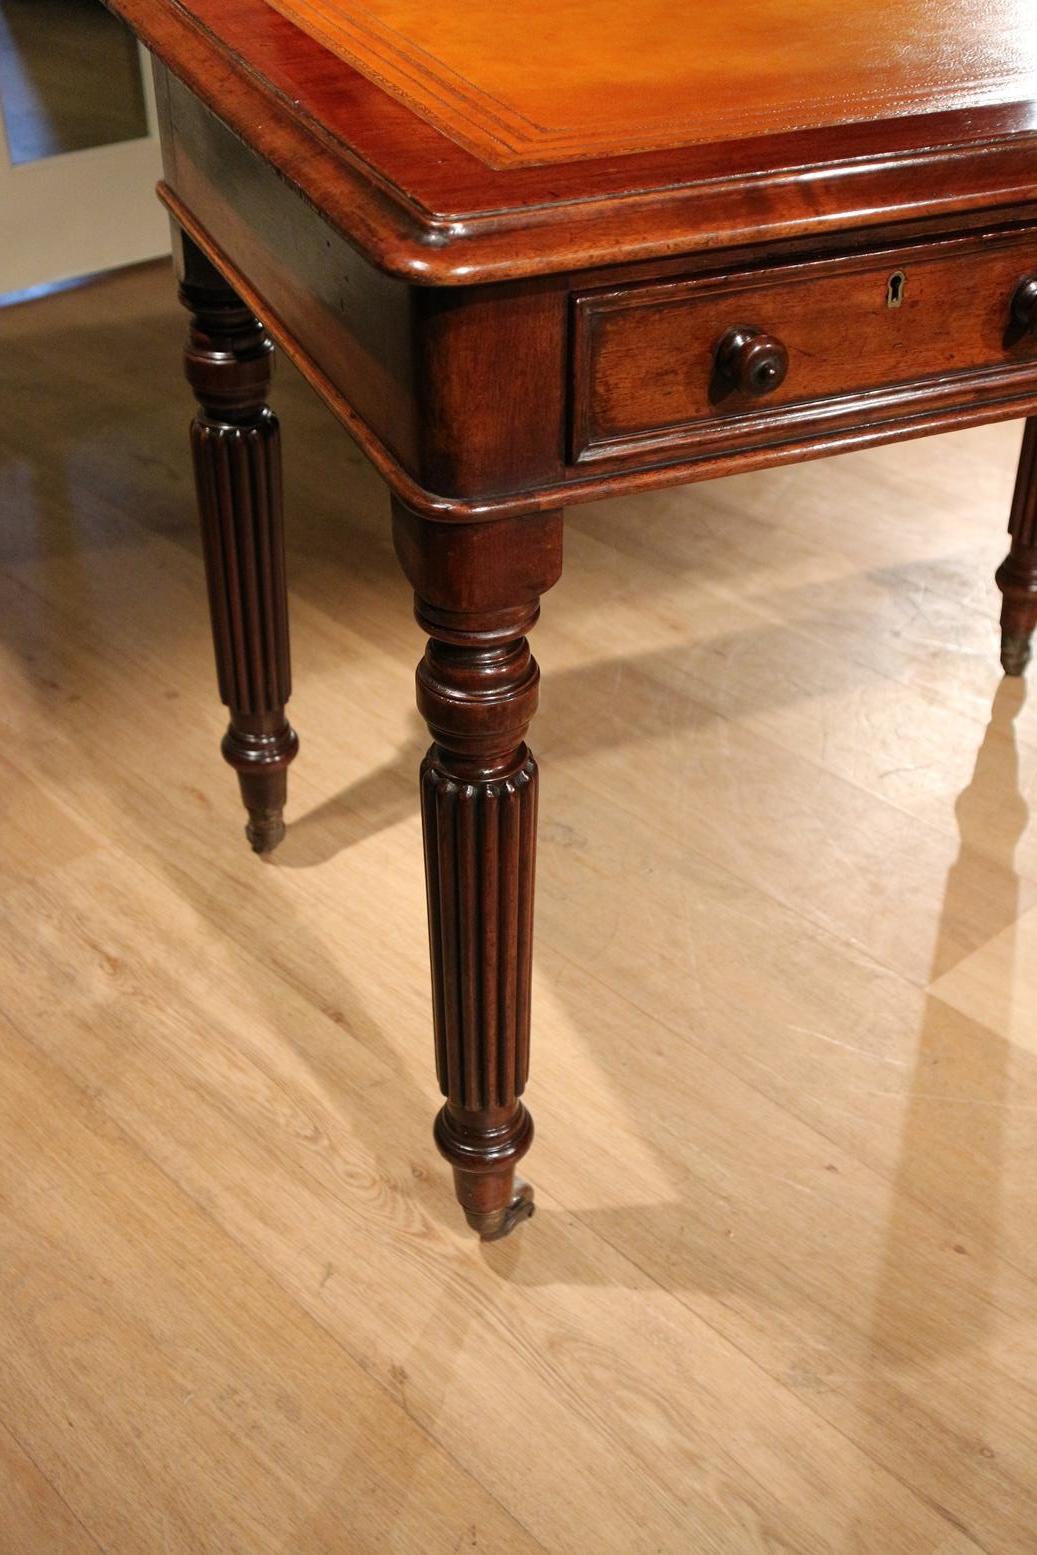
(1015,652)
(483,1146)
(477,594)
(264,798)
(1017,575)
(236,447)
(261,759)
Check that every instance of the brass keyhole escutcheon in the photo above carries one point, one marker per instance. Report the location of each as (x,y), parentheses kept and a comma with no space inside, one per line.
(895,289)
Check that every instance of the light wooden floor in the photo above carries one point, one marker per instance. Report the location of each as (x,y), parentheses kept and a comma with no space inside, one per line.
(780,1297)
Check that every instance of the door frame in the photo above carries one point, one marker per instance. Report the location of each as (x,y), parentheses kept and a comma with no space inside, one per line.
(70,215)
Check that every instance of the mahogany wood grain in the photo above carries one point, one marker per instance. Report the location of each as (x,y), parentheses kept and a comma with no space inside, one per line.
(536,257)
(647,381)
(499,411)
(235,442)
(408,357)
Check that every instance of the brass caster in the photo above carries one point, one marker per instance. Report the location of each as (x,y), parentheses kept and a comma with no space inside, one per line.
(264,831)
(494,1224)
(1015,652)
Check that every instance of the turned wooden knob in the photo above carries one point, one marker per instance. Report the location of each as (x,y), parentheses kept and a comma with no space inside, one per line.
(1024,305)
(751,361)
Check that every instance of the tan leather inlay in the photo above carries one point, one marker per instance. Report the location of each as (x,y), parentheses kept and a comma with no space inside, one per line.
(554,80)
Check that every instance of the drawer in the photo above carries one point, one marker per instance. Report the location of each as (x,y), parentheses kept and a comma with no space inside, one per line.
(862,339)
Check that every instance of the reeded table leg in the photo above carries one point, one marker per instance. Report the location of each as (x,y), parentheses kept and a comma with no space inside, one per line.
(477,589)
(1017,575)
(237,459)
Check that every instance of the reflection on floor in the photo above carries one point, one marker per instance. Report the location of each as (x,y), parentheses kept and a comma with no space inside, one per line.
(781,1291)
(69,78)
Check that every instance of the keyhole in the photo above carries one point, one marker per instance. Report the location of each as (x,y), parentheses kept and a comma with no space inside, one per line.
(895,289)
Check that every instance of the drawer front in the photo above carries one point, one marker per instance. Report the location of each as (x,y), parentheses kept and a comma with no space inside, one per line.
(862,338)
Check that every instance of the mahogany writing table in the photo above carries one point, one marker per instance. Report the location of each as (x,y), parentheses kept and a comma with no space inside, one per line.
(536,254)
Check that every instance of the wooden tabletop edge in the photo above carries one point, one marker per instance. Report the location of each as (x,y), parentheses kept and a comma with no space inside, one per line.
(404,238)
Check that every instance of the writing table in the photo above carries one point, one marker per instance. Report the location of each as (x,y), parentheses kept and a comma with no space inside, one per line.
(537,254)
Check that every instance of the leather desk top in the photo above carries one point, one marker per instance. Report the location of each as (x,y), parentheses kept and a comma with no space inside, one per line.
(485,141)
(540,81)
